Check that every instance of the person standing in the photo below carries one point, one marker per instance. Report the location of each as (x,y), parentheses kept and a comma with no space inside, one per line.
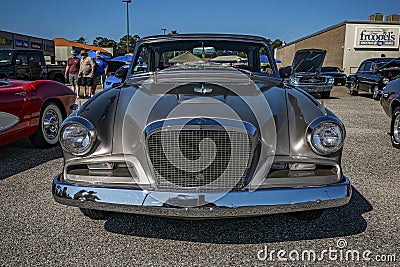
(100,72)
(72,70)
(86,71)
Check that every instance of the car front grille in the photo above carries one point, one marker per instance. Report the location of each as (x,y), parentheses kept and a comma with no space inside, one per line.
(200,159)
(312,80)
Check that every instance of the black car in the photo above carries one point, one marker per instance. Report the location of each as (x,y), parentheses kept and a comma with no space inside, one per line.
(336,73)
(390,102)
(305,72)
(373,75)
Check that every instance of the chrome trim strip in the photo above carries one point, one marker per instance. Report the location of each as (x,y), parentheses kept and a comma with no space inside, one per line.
(158,125)
(233,204)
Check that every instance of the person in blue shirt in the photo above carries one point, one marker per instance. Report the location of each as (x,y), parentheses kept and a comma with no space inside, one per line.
(100,72)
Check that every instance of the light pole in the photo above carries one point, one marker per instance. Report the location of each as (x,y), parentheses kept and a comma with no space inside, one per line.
(163,30)
(127,23)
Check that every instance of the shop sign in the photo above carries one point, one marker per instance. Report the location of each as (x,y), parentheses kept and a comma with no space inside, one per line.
(21,43)
(377,37)
(35,45)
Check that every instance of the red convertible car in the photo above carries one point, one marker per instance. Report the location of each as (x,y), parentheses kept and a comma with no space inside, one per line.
(33,109)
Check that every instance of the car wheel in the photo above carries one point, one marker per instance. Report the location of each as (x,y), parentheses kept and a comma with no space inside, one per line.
(325,94)
(308,215)
(395,128)
(95,214)
(353,88)
(48,129)
(375,93)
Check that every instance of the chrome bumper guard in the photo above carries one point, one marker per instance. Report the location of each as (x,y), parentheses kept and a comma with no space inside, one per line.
(232,204)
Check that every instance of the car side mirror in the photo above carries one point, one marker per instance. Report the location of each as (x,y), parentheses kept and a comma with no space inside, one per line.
(18,62)
(121,73)
(285,72)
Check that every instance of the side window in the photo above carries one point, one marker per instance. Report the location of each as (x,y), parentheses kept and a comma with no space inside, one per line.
(362,67)
(142,62)
(35,59)
(368,66)
(266,66)
(23,58)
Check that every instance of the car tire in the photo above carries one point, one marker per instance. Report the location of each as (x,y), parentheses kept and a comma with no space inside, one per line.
(95,214)
(395,128)
(353,89)
(49,126)
(308,215)
(375,93)
(325,94)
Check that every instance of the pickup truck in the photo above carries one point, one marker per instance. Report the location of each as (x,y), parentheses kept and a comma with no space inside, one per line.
(24,64)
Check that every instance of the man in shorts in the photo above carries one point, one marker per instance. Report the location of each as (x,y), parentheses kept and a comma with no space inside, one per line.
(72,70)
(100,72)
(86,71)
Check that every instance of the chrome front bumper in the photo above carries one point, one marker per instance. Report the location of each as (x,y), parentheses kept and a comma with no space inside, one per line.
(315,88)
(183,204)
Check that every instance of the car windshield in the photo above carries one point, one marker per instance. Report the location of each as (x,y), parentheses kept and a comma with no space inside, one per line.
(191,54)
(5,57)
(330,69)
(394,64)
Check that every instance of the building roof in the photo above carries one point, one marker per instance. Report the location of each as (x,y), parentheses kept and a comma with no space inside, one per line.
(65,42)
(339,25)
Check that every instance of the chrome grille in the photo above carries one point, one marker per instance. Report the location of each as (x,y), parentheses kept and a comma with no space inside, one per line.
(312,80)
(202,159)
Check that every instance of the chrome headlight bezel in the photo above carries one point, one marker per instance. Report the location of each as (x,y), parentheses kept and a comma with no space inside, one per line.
(315,125)
(86,125)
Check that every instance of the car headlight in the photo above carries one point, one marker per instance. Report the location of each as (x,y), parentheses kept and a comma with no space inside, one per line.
(385,80)
(326,135)
(77,136)
(331,80)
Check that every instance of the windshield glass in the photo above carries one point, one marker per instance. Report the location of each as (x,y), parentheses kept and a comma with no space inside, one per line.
(330,69)
(190,54)
(5,57)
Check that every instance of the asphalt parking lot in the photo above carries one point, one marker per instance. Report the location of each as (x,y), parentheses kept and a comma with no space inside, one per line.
(35,231)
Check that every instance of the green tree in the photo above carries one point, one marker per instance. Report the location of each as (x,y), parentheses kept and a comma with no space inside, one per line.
(104,42)
(173,32)
(132,42)
(81,40)
(275,44)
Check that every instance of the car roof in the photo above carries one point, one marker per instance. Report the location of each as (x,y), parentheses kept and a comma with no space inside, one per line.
(203,36)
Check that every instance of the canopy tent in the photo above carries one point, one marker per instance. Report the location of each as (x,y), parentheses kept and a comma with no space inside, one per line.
(92,54)
(125,58)
(227,59)
(183,58)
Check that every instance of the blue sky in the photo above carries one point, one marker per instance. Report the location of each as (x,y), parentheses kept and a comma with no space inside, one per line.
(287,20)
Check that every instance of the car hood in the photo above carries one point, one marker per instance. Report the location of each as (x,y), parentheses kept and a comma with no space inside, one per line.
(308,61)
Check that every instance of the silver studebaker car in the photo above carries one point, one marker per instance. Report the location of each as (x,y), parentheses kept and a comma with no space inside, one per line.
(189,137)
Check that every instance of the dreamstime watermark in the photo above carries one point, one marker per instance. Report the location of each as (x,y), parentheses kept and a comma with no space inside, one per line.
(340,252)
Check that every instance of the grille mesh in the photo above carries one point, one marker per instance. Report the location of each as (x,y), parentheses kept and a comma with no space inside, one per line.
(201,159)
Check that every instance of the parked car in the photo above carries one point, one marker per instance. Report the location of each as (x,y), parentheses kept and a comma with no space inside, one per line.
(390,102)
(202,140)
(372,76)
(33,109)
(25,64)
(336,73)
(305,72)
(118,78)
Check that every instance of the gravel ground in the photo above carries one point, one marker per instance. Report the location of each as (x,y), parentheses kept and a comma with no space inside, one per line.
(35,231)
